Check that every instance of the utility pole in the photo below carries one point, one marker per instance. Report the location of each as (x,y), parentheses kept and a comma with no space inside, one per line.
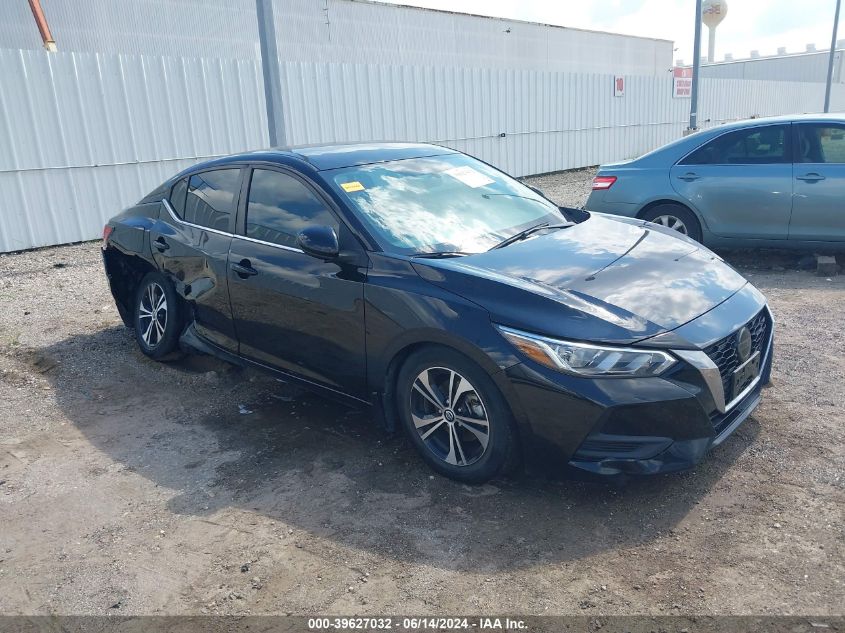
(830,61)
(272,73)
(696,66)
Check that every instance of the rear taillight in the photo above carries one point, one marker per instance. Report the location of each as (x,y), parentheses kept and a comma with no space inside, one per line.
(603,182)
(107,230)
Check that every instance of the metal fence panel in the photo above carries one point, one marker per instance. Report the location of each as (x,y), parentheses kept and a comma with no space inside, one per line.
(84,135)
(791,67)
(523,121)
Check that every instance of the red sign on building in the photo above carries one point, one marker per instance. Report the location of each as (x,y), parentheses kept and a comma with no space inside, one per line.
(682,83)
(618,86)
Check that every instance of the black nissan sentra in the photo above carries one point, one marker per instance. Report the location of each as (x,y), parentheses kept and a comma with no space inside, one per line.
(463,306)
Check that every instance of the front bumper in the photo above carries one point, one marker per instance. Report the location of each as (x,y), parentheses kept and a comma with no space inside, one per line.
(675,455)
(637,425)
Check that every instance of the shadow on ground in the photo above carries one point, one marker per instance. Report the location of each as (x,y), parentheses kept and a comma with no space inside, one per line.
(221,437)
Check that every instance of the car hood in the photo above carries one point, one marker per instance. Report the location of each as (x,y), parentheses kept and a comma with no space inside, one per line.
(616,281)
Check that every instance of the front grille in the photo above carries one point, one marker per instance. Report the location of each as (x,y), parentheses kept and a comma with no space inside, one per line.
(598,446)
(724,352)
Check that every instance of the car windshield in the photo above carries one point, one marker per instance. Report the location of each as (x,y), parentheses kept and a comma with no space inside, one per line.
(441,204)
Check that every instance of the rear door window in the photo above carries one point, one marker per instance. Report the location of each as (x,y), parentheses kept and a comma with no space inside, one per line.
(212,197)
(280,206)
(755,146)
(821,143)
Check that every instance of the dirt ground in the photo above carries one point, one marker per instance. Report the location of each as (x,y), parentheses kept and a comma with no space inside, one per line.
(133,487)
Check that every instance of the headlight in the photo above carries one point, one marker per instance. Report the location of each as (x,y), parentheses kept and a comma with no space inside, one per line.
(583,359)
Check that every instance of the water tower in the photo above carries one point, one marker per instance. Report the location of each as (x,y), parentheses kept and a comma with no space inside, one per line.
(712,14)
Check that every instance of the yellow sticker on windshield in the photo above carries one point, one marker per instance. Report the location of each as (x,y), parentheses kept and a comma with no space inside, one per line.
(349,187)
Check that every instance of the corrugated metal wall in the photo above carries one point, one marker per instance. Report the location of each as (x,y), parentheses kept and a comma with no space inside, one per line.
(525,122)
(82,135)
(724,100)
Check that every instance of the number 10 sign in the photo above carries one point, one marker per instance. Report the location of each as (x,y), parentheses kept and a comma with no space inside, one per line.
(618,86)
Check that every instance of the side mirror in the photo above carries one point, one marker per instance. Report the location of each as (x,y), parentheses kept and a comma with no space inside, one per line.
(319,241)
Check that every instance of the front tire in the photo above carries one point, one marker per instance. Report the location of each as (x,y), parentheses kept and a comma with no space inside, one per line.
(455,416)
(157,317)
(675,217)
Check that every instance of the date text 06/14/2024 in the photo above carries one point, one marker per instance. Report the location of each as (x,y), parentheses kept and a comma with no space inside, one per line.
(416,624)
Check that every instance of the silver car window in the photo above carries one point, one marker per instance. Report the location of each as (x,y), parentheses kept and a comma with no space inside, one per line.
(759,145)
(821,143)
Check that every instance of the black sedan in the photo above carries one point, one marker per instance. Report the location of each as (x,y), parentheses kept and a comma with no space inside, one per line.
(461,305)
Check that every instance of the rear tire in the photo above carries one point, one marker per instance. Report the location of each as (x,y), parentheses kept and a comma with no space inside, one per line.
(157,317)
(455,416)
(676,217)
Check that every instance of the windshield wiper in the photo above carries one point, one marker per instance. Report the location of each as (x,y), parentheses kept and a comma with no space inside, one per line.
(442,254)
(523,234)
(545,203)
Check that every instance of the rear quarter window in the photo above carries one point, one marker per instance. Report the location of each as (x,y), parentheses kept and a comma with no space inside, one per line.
(156,195)
(177,197)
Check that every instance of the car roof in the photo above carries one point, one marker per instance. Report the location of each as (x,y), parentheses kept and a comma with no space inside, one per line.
(786,118)
(677,149)
(334,156)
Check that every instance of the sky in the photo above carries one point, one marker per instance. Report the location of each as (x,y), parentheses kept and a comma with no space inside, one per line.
(764,25)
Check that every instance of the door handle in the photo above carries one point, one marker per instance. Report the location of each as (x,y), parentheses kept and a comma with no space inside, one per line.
(689,176)
(161,244)
(811,177)
(244,269)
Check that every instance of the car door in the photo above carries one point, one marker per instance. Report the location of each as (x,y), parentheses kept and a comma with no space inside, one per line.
(293,311)
(190,242)
(818,206)
(741,182)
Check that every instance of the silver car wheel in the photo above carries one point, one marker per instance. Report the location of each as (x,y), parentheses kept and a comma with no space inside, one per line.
(449,416)
(673,222)
(152,314)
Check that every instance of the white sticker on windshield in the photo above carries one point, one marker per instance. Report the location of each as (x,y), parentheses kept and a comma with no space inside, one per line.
(469,176)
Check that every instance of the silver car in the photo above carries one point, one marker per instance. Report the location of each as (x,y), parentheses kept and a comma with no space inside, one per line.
(774,182)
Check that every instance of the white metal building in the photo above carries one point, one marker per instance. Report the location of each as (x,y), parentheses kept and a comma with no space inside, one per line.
(810,66)
(359,31)
(176,28)
(348,31)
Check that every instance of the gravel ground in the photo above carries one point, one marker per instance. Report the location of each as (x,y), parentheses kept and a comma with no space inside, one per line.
(567,188)
(132,487)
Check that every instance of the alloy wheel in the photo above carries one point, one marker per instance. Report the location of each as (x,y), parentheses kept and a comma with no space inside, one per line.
(673,222)
(449,416)
(152,314)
